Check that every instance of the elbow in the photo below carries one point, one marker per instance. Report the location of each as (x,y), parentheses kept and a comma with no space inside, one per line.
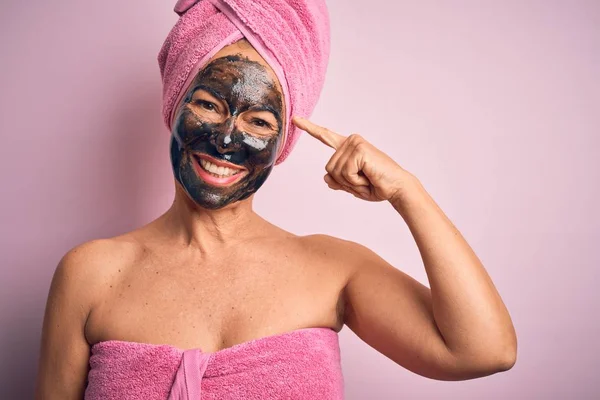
(500,360)
(497,362)
(507,361)
(507,357)
(480,369)
(484,364)
(499,356)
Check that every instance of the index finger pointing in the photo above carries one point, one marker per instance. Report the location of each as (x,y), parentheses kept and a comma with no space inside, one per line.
(330,138)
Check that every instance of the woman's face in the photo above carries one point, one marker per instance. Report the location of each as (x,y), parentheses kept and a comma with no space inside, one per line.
(228,129)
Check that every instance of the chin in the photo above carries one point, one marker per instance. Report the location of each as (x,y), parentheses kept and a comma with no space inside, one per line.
(209,201)
(206,198)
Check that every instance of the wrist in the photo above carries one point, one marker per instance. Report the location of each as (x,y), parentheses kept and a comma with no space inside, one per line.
(408,188)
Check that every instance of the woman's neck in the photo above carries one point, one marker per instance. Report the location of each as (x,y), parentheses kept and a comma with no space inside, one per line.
(197,227)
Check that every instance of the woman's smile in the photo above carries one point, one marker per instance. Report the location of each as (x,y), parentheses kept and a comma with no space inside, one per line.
(217,172)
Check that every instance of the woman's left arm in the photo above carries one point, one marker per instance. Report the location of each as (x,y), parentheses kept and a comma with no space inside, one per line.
(461,322)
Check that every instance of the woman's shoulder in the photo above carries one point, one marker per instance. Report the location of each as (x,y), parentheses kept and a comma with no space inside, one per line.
(332,247)
(104,252)
(320,240)
(93,264)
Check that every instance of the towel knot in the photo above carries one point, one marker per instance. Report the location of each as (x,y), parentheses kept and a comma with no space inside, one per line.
(183,5)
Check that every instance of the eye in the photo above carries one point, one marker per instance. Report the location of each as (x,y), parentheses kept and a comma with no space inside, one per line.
(261,123)
(207,105)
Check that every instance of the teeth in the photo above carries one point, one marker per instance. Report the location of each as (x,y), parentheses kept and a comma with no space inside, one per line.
(216,170)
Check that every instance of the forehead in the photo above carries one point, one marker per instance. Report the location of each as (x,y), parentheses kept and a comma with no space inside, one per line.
(242,49)
(237,73)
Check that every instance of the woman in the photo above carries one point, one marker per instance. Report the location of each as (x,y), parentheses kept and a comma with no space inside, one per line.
(212,301)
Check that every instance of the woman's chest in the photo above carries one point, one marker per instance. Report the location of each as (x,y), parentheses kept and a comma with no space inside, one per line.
(214,305)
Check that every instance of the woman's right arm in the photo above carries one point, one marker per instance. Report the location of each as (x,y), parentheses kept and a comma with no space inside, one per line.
(64,355)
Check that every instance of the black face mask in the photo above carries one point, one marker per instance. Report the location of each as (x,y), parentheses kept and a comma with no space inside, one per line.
(240,127)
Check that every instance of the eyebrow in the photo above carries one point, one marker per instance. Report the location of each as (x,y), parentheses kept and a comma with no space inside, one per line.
(210,91)
(267,108)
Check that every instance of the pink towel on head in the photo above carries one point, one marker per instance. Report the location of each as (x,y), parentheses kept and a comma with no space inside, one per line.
(291,35)
(303,364)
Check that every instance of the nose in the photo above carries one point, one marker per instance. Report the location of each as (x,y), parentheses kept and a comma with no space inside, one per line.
(228,139)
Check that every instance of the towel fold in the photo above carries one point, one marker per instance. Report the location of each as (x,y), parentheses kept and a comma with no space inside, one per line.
(291,35)
(301,364)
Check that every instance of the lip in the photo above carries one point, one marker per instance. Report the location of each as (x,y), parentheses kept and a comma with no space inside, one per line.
(220,163)
(213,180)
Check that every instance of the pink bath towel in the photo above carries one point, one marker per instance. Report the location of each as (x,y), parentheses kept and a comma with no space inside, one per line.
(291,35)
(303,364)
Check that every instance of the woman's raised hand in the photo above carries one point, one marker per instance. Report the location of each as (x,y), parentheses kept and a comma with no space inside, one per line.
(357,166)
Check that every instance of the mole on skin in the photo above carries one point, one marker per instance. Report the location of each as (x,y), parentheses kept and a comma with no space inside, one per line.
(227,132)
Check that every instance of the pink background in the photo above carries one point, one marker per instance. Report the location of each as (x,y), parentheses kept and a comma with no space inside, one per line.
(495,106)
